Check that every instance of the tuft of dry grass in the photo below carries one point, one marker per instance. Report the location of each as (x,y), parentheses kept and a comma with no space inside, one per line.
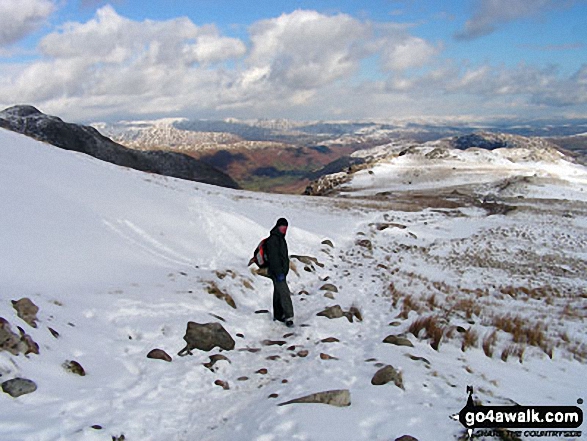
(433,330)
(515,350)
(470,339)
(522,332)
(489,343)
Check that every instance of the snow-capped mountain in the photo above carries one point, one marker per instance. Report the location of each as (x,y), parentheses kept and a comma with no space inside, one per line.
(433,288)
(85,139)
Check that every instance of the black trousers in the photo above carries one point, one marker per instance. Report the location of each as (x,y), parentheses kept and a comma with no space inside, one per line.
(282,306)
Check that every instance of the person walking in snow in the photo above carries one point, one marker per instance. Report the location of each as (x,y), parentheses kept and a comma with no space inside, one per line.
(278,258)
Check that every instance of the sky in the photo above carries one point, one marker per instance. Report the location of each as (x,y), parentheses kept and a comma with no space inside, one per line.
(91,60)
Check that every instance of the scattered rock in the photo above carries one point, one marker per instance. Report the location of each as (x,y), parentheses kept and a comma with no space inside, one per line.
(365,243)
(303,353)
(223,384)
(19,386)
(262,371)
(329,295)
(332,312)
(330,340)
(219,294)
(289,334)
(273,395)
(242,378)
(387,374)
(119,438)
(395,323)
(97,427)
(406,438)
(26,310)
(27,344)
(214,359)
(53,332)
(251,350)
(206,337)
(398,341)
(329,287)
(262,311)
(353,312)
(307,260)
(9,341)
(415,358)
(273,342)
(239,335)
(159,354)
(273,357)
(327,357)
(328,243)
(74,367)
(338,398)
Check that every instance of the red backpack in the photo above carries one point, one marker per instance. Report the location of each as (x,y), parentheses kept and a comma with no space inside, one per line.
(260,255)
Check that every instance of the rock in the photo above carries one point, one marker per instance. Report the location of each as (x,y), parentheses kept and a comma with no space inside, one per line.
(338,398)
(328,243)
(273,357)
(9,341)
(242,378)
(273,342)
(354,312)
(206,337)
(327,357)
(387,374)
(303,353)
(262,371)
(19,386)
(398,341)
(329,295)
(223,384)
(214,359)
(27,344)
(159,354)
(365,243)
(406,438)
(307,260)
(74,367)
(26,310)
(329,287)
(53,332)
(330,340)
(273,395)
(262,311)
(332,312)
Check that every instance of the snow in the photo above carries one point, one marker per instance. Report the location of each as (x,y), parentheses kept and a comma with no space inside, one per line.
(119,261)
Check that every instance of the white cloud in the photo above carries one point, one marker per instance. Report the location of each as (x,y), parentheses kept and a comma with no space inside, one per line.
(19,18)
(490,14)
(407,52)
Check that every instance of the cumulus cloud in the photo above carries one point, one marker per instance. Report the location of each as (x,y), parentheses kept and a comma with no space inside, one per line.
(490,14)
(19,18)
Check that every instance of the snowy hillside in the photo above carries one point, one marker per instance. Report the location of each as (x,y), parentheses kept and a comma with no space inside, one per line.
(119,261)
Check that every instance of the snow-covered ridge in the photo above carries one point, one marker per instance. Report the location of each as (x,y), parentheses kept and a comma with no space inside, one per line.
(118,262)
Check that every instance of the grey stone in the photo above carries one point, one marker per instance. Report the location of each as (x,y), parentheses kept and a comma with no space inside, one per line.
(386,375)
(329,287)
(406,438)
(332,312)
(398,341)
(338,398)
(19,386)
(26,310)
(206,337)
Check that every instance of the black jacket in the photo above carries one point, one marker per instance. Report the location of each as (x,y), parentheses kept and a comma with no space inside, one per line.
(277,254)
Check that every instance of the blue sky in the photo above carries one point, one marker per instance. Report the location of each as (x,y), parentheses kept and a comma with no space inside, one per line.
(90,60)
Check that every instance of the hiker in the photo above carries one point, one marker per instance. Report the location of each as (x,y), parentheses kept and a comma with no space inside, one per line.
(278,258)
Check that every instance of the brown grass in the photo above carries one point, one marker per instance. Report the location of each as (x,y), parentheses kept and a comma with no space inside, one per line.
(433,330)
(470,339)
(489,343)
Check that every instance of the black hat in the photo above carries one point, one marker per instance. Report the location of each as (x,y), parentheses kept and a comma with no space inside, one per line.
(282,222)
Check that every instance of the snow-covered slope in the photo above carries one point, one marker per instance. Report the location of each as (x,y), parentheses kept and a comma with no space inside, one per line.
(119,261)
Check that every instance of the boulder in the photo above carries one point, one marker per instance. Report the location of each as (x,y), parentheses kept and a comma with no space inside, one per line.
(19,386)
(332,312)
(159,354)
(386,375)
(214,359)
(27,344)
(338,398)
(406,438)
(398,341)
(206,337)
(26,310)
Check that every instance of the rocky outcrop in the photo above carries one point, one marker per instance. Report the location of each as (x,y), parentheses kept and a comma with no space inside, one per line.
(159,354)
(15,344)
(31,122)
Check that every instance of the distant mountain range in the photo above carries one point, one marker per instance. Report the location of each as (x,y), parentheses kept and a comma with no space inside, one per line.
(31,122)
